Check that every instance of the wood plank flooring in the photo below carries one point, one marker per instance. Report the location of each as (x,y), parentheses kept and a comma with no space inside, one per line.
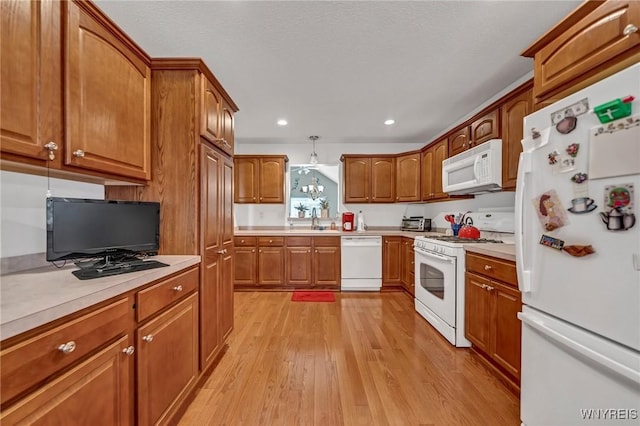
(365,359)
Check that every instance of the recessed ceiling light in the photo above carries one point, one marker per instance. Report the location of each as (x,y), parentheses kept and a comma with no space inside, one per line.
(389,122)
(282,122)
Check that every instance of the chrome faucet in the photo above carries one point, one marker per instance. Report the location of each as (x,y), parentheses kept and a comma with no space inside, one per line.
(314,219)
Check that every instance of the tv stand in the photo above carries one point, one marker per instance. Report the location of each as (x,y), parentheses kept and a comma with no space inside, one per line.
(114,265)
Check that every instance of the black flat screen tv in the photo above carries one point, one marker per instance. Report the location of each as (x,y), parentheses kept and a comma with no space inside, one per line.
(83,228)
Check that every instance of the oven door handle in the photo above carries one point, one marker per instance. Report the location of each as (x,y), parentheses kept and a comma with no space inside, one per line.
(436,256)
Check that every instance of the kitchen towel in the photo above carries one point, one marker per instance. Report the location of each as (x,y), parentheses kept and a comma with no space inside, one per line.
(313,296)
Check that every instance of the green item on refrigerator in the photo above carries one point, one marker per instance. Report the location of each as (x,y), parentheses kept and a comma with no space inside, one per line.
(613,110)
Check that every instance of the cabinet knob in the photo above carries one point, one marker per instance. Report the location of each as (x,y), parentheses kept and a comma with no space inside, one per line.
(253,250)
(254,198)
(68,347)
(373,198)
(309,251)
(259,251)
(260,198)
(242,241)
(316,251)
(489,288)
(629,29)
(129,350)
(488,267)
(177,288)
(270,241)
(78,153)
(51,146)
(148,338)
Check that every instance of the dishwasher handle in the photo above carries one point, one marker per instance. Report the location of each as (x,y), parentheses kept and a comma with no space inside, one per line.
(361,241)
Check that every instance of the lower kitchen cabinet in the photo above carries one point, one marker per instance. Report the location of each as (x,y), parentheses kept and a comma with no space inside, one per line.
(271,261)
(246,261)
(408,266)
(492,302)
(391,262)
(167,361)
(298,254)
(326,266)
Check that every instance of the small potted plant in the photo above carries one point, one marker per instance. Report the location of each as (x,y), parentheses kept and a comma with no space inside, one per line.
(324,208)
(301,210)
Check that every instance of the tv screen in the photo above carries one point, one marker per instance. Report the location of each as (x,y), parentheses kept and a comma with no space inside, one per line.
(82,228)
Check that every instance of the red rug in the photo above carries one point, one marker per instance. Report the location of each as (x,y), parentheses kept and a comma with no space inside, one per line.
(313,296)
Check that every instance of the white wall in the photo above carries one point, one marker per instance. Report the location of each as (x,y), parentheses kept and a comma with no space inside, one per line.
(22,209)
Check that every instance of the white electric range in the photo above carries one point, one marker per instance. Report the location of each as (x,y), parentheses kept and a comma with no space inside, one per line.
(440,273)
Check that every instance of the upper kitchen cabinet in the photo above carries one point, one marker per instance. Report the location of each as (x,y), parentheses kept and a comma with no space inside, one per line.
(513,112)
(459,141)
(432,158)
(259,178)
(408,177)
(31,101)
(216,124)
(485,128)
(593,42)
(107,96)
(66,59)
(369,179)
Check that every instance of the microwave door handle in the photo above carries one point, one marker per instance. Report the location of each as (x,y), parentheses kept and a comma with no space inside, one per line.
(476,163)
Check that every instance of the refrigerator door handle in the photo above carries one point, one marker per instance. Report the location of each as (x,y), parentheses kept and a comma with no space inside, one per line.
(594,356)
(524,274)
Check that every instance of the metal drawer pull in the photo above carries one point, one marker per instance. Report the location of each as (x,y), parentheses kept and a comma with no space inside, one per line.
(629,29)
(148,338)
(51,146)
(129,350)
(78,153)
(177,288)
(488,268)
(68,347)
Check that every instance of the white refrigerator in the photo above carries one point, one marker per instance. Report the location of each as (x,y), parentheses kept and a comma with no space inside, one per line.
(578,257)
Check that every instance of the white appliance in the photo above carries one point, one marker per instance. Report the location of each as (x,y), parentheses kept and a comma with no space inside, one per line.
(439,274)
(581,318)
(475,171)
(361,263)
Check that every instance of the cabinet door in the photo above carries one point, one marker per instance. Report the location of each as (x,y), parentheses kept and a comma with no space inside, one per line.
(211,108)
(246,180)
(427,174)
(298,266)
(107,98)
(459,141)
(485,128)
(478,307)
(407,263)
(513,113)
(30,82)
(98,391)
(271,265)
(382,180)
(271,180)
(228,141)
(440,153)
(167,361)
(225,302)
(211,171)
(225,305)
(391,261)
(587,47)
(245,262)
(326,266)
(506,342)
(408,178)
(357,180)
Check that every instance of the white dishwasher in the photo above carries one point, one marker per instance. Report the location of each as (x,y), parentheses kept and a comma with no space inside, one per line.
(361,258)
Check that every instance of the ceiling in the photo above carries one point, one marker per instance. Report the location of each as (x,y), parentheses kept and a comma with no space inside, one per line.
(340,69)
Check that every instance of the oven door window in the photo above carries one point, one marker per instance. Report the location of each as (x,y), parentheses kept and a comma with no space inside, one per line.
(432,280)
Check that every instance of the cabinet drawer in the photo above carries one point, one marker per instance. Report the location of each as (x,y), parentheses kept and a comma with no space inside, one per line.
(492,268)
(155,298)
(299,241)
(271,241)
(326,241)
(245,241)
(27,363)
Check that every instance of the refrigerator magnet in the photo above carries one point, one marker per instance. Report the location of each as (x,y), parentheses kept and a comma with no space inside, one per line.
(572,150)
(614,150)
(619,196)
(581,205)
(564,164)
(578,251)
(549,241)
(536,140)
(565,120)
(579,178)
(553,157)
(551,214)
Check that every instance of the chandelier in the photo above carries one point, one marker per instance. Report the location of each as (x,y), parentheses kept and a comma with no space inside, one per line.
(314,157)
(314,190)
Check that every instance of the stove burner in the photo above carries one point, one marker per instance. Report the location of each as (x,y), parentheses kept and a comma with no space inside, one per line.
(452,239)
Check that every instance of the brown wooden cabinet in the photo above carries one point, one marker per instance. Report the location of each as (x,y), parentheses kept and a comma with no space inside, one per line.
(513,112)
(167,366)
(246,261)
(459,141)
(96,391)
(408,265)
(298,261)
(326,262)
(259,179)
(391,261)
(271,261)
(485,128)
(369,179)
(593,42)
(492,301)
(432,158)
(100,79)
(408,177)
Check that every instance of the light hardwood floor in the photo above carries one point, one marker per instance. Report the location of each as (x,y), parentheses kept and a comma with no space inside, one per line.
(365,359)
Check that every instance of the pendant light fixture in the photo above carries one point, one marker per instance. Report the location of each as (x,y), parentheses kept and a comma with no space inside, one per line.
(314,157)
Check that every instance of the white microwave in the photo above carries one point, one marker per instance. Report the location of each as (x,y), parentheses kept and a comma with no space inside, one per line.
(475,171)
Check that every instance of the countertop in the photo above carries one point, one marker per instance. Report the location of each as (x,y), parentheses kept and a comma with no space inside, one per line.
(34,297)
(501,251)
(285,231)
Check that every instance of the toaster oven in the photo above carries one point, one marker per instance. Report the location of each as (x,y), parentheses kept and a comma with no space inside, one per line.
(416,224)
